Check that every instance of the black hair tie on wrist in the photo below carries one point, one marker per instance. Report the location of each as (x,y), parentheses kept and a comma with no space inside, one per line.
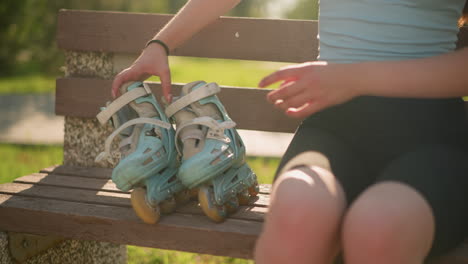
(166,48)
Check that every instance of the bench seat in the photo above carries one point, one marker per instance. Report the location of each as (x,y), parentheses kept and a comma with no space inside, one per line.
(83,203)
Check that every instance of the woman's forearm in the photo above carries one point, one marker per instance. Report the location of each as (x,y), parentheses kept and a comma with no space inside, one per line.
(435,77)
(193,17)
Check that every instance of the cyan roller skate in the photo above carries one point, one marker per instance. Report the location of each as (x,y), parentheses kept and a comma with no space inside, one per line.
(148,159)
(213,154)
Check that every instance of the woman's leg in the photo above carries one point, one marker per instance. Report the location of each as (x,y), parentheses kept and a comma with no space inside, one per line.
(389,223)
(302,225)
(307,202)
(417,208)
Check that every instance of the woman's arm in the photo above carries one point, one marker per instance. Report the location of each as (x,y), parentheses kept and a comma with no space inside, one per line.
(310,87)
(435,77)
(194,16)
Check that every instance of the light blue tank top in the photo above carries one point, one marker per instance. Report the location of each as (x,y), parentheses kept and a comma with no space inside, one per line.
(372,30)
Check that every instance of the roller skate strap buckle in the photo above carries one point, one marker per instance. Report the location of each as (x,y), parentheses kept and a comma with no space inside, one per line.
(193,96)
(121,101)
(215,129)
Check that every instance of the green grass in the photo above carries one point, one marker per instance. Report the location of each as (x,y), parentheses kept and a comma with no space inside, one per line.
(140,255)
(26,84)
(20,160)
(224,72)
(265,168)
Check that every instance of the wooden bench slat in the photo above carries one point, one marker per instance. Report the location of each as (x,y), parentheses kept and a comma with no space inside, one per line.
(251,212)
(97,185)
(69,181)
(227,37)
(119,225)
(67,194)
(81,97)
(98,173)
(89,172)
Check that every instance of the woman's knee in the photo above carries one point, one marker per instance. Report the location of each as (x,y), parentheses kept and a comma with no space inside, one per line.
(303,219)
(305,198)
(389,219)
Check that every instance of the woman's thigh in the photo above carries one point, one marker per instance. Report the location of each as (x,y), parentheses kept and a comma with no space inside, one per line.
(345,162)
(440,174)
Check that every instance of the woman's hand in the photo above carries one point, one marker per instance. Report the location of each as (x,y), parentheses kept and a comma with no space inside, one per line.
(152,61)
(309,87)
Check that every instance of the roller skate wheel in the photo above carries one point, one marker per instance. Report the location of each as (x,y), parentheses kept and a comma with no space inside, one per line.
(142,208)
(232,205)
(211,209)
(183,197)
(243,197)
(254,189)
(168,206)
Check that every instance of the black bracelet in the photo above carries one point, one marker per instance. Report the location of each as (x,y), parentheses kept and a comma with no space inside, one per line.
(166,48)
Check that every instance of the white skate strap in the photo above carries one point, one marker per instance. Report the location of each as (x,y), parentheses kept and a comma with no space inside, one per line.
(121,101)
(106,154)
(193,96)
(215,129)
(191,134)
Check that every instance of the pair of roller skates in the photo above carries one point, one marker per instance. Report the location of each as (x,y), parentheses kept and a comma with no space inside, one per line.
(204,156)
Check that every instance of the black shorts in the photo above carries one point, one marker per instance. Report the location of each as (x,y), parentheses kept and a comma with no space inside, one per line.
(420,142)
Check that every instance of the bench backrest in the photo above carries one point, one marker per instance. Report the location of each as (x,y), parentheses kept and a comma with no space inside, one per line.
(122,35)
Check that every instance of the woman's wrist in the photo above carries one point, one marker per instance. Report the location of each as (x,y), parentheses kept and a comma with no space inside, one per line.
(160,43)
(349,76)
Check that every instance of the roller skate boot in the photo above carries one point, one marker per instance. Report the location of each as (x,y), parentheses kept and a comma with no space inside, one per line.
(148,160)
(213,154)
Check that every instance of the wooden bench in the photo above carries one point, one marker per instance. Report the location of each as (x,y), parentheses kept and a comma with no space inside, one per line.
(78,201)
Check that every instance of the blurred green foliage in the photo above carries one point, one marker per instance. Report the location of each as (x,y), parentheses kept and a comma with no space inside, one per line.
(304,9)
(28,27)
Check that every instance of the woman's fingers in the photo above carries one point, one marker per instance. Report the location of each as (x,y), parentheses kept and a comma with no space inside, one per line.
(127,75)
(287,90)
(306,110)
(292,102)
(152,61)
(120,79)
(165,78)
(285,74)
